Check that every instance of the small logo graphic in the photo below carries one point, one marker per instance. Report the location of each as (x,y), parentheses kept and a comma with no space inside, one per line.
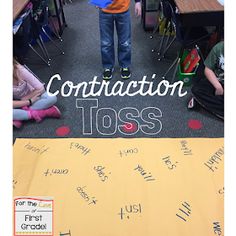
(33,216)
(186,80)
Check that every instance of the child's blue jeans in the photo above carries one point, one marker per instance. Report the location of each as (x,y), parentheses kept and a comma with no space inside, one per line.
(123,28)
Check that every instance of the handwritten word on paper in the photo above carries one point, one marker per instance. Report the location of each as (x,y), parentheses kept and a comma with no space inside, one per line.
(128,152)
(185,148)
(101,173)
(169,163)
(217,228)
(130,210)
(38,150)
(214,161)
(56,172)
(84,150)
(146,175)
(86,196)
(14,183)
(221,191)
(184,212)
(65,234)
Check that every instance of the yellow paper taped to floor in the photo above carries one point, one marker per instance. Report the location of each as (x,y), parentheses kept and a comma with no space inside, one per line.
(126,187)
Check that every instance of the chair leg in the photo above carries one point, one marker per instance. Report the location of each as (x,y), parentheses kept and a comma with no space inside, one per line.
(171,66)
(47,62)
(41,47)
(55,32)
(161,44)
(165,45)
(162,38)
(154,31)
(168,46)
(44,48)
(62,52)
(175,70)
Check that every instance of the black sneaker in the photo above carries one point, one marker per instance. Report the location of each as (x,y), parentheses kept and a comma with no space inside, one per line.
(125,73)
(107,74)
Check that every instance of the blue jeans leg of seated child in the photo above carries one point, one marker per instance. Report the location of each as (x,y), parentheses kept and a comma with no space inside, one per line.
(122,22)
(44,102)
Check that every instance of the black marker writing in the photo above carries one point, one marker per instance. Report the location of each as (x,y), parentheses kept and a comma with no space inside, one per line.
(14,183)
(39,150)
(77,146)
(215,160)
(171,165)
(128,152)
(217,228)
(50,172)
(147,176)
(101,173)
(126,211)
(185,148)
(184,211)
(64,234)
(222,190)
(85,196)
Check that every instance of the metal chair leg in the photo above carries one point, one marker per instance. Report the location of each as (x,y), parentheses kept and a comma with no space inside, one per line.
(162,38)
(41,47)
(175,70)
(161,44)
(47,62)
(155,30)
(171,66)
(62,52)
(165,45)
(168,46)
(44,48)
(55,32)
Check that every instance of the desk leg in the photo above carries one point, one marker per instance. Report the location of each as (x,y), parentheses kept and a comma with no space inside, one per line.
(62,13)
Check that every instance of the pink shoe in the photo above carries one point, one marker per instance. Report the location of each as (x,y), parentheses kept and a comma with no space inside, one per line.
(53,112)
(17,123)
(39,115)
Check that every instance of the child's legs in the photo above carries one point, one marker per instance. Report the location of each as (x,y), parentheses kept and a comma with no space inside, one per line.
(106,23)
(204,93)
(44,102)
(19,114)
(123,27)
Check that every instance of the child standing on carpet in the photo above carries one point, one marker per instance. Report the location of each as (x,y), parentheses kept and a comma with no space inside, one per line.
(118,14)
(209,91)
(30,101)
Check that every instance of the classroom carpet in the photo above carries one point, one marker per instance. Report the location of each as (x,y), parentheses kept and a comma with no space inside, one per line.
(148,116)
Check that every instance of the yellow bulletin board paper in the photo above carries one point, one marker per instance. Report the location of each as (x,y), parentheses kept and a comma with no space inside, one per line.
(126,187)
